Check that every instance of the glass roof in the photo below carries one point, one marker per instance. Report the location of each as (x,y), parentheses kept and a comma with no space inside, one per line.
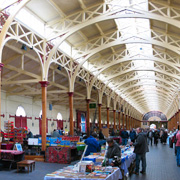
(137,27)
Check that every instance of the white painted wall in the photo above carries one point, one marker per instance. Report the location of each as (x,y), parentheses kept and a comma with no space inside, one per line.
(9,105)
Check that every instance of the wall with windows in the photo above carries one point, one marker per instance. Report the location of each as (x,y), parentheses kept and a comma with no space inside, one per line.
(9,105)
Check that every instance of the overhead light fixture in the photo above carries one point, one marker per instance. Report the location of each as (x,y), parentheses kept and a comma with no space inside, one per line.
(24,47)
(59,67)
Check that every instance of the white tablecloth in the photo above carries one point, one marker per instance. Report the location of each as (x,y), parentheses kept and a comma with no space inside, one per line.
(114,176)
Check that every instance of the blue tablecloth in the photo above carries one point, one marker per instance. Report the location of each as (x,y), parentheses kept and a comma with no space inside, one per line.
(126,163)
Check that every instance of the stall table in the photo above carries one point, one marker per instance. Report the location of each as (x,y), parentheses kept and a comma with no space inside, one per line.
(114,176)
(12,156)
(26,163)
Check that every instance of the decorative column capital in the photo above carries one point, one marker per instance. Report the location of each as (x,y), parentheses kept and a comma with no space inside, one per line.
(107,108)
(44,83)
(88,100)
(70,93)
(99,105)
(114,110)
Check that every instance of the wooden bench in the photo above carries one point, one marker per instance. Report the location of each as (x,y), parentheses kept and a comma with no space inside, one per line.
(26,163)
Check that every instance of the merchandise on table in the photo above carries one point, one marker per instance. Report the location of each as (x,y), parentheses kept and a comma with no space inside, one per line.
(71,172)
(91,167)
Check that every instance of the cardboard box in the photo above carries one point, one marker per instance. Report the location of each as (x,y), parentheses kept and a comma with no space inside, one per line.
(105,131)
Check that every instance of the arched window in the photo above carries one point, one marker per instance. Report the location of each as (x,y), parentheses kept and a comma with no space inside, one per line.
(20,111)
(59,116)
(40,114)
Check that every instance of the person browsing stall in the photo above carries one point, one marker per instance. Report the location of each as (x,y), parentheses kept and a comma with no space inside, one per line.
(93,144)
(29,134)
(113,149)
(55,133)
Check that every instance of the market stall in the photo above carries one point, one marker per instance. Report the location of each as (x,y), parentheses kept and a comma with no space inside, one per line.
(108,173)
(63,155)
(11,156)
(97,170)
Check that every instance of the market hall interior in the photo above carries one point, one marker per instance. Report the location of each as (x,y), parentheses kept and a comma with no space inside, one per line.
(78,66)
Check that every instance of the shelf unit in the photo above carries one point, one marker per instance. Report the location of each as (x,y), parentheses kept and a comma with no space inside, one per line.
(19,135)
(8,130)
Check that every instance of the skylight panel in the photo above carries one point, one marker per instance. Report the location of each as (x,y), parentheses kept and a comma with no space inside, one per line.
(7,3)
(65,47)
(31,21)
(138,29)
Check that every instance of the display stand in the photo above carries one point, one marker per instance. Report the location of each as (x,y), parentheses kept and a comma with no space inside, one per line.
(8,130)
(19,135)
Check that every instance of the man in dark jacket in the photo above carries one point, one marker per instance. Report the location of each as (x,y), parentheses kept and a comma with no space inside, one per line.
(132,135)
(140,148)
(93,144)
(113,149)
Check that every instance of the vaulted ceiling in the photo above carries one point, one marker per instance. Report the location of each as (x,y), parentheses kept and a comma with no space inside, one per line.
(131,46)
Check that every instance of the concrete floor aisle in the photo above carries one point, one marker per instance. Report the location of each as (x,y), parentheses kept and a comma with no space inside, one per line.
(41,169)
(161,165)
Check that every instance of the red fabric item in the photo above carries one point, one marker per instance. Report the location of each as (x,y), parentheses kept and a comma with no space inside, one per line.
(178,138)
(40,126)
(61,124)
(20,121)
(58,155)
(79,120)
(6,146)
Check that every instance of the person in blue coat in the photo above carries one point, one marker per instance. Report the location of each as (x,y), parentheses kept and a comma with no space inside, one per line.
(125,136)
(93,144)
(132,135)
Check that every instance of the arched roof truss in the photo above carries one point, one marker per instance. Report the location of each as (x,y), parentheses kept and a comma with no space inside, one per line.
(106,53)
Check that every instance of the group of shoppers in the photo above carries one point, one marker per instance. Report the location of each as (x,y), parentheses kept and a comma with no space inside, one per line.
(139,141)
(156,135)
(57,132)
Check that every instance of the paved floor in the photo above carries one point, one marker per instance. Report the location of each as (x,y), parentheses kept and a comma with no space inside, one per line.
(41,169)
(161,165)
